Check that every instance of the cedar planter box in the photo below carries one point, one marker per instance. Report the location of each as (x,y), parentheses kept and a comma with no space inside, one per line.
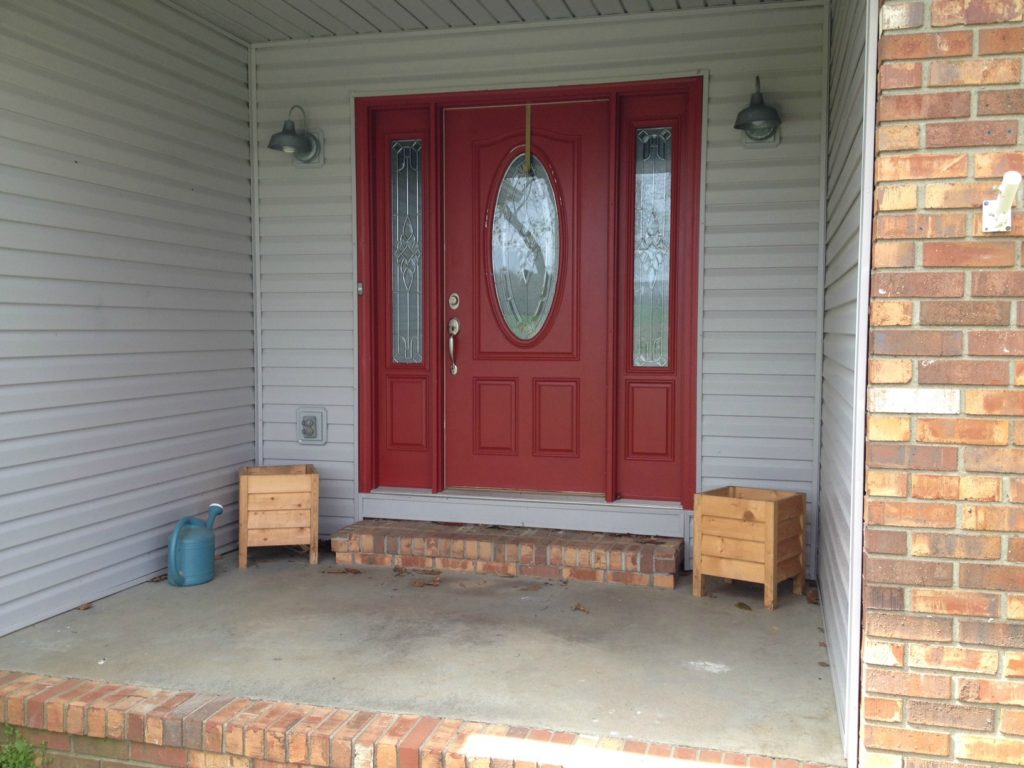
(278,506)
(749,534)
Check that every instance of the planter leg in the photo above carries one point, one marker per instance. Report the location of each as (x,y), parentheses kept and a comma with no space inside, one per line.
(771,596)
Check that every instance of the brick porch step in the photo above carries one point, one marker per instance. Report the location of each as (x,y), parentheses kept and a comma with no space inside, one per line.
(531,552)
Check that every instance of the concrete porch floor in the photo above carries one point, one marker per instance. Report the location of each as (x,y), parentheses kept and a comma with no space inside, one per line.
(650,664)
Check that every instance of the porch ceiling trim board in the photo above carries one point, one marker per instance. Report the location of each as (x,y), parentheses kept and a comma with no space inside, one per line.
(292,20)
(759,290)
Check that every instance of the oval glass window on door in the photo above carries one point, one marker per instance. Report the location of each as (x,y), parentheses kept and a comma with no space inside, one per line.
(524,247)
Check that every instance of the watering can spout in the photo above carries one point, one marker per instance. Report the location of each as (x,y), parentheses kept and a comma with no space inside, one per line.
(212,512)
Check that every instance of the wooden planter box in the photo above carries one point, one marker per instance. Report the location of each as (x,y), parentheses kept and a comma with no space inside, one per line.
(749,534)
(278,506)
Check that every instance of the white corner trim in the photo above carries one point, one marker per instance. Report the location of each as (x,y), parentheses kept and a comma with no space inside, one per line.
(856,573)
(257,299)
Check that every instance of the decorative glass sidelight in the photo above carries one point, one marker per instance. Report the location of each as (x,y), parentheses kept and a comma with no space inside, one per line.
(651,255)
(407,251)
(525,247)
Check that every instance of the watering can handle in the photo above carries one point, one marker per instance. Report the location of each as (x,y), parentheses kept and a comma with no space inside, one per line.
(174,572)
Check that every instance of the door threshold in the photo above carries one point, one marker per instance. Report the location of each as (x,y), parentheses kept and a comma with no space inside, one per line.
(489,494)
(528,509)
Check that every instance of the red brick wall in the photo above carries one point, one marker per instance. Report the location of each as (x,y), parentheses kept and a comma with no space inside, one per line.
(943,653)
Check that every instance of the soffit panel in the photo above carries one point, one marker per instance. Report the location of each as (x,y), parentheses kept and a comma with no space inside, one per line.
(258,21)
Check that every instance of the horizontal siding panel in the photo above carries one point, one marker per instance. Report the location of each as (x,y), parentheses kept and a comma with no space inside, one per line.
(151,275)
(759,343)
(77,443)
(43,186)
(738,426)
(110,297)
(25,317)
(40,370)
(46,510)
(307,339)
(28,477)
(779,299)
(95,540)
(337,414)
(324,395)
(759,448)
(743,365)
(59,27)
(311,359)
(127,382)
(42,344)
(40,132)
(306,377)
(34,237)
(17,208)
(65,165)
(285,432)
(121,390)
(739,258)
(760,322)
(762,405)
(754,384)
(303,320)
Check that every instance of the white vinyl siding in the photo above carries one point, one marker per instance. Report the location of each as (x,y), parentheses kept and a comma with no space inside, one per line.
(841,368)
(761,237)
(126,325)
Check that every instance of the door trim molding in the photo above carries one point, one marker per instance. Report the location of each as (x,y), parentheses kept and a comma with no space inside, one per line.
(368,344)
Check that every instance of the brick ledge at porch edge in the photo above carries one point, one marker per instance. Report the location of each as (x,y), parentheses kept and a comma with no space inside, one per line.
(85,721)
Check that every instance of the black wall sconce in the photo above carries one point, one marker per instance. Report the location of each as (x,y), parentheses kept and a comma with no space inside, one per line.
(305,146)
(759,122)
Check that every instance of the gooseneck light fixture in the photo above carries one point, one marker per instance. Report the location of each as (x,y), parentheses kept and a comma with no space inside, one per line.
(759,122)
(304,146)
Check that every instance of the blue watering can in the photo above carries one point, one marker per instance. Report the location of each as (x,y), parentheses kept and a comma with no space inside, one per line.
(190,554)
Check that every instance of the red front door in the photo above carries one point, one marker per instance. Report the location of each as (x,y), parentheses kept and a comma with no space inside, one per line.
(573,282)
(527,280)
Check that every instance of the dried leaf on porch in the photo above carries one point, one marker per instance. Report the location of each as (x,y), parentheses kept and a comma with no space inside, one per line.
(434,582)
(343,570)
(399,570)
(581,608)
(426,571)
(84,606)
(744,607)
(161,577)
(532,588)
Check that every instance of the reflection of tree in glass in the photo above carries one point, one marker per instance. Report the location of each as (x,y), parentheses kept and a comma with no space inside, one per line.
(524,245)
(651,255)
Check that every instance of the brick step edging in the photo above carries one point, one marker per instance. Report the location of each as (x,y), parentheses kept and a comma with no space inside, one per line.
(525,552)
(90,724)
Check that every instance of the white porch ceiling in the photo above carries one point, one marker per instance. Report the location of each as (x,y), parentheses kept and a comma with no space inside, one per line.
(257,21)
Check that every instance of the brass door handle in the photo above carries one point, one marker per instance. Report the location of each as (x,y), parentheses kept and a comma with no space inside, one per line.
(453,331)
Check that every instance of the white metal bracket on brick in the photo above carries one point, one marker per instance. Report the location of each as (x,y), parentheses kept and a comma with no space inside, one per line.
(996,215)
